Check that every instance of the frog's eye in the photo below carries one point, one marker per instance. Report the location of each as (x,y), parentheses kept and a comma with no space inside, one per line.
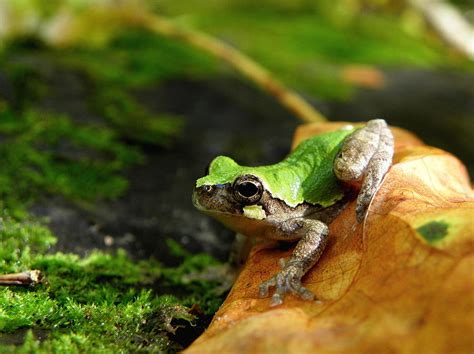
(247,189)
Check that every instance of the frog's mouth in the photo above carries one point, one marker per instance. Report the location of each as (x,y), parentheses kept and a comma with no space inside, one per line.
(216,199)
(218,203)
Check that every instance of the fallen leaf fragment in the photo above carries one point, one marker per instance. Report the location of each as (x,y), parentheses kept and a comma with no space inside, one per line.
(363,76)
(403,282)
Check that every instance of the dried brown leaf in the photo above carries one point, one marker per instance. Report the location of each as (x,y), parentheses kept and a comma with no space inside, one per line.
(401,282)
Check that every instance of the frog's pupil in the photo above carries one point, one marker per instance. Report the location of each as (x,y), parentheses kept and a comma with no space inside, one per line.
(248,189)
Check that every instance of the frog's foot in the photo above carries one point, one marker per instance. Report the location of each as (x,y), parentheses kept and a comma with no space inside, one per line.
(288,280)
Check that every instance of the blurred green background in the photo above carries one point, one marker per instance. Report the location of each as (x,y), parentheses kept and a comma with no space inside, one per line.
(104,126)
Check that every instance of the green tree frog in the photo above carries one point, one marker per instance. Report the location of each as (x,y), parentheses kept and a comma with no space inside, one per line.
(297,198)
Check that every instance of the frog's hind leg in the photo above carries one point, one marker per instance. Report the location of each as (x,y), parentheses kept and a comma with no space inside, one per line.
(366,154)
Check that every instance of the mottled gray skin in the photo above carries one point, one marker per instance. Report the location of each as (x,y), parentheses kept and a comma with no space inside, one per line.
(365,156)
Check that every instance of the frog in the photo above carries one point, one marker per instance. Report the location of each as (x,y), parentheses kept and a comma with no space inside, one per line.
(296,199)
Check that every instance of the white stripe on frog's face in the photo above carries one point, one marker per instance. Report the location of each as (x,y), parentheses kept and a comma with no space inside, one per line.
(254,212)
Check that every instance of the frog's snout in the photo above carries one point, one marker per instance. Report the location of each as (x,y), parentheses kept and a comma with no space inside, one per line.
(217,197)
(196,198)
(201,195)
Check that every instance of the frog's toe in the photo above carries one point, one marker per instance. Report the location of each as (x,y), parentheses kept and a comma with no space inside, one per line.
(279,283)
(281,289)
(276,300)
(293,284)
(286,281)
(305,294)
(265,287)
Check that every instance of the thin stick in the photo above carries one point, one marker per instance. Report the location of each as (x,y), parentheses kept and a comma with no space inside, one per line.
(445,19)
(28,278)
(125,14)
(242,63)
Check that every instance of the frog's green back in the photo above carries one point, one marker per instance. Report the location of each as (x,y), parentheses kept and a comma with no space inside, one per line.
(306,175)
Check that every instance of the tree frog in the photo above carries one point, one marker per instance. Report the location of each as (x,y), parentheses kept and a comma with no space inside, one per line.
(296,199)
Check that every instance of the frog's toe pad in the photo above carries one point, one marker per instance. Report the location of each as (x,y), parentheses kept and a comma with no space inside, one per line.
(288,280)
(265,287)
(306,294)
(276,300)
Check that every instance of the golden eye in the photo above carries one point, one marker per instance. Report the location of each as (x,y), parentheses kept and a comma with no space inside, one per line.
(247,189)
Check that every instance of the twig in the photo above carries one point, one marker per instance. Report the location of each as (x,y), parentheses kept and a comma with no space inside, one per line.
(453,28)
(28,278)
(242,63)
(65,28)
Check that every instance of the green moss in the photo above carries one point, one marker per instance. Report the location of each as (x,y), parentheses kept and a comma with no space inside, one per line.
(433,231)
(108,302)
(46,153)
(133,121)
(133,59)
(19,241)
(137,58)
(103,302)
(100,303)
(25,82)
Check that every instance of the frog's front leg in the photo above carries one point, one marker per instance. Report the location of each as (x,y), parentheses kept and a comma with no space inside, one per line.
(366,154)
(314,236)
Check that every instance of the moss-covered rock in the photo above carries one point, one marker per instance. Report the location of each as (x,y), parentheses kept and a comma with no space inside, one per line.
(102,302)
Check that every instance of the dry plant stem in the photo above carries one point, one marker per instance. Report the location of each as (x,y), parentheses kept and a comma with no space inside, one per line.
(242,63)
(453,28)
(28,278)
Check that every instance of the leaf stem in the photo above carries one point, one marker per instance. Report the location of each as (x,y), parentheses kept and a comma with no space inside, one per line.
(241,62)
